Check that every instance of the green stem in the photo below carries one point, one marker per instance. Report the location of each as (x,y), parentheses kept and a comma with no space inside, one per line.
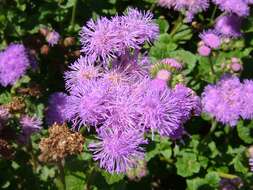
(212,67)
(227,176)
(90,177)
(213,127)
(213,15)
(177,25)
(73,16)
(153,6)
(33,157)
(60,165)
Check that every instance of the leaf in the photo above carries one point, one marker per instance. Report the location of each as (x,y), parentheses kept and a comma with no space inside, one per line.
(75,181)
(163,25)
(244,132)
(112,178)
(187,165)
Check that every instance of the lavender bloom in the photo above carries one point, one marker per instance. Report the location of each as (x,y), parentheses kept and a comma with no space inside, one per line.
(87,103)
(56,108)
(189,102)
(99,40)
(163,75)
(204,51)
(247,106)
(223,101)
(53,38)
(239,7)
(161,112)
(211,39)
(29,126)
(191,7)
(173,63)
(80,72)
(140,26)
(118,151)
(228,25)
(123,109)
(106,39)
(13,64)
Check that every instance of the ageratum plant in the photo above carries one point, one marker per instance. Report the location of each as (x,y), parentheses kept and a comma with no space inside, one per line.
(152,94)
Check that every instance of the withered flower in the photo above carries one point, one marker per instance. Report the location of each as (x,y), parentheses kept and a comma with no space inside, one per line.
(60,143)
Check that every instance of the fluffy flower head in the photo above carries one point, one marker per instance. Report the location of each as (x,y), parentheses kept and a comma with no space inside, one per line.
(13,64)
(56,108)
(118,151)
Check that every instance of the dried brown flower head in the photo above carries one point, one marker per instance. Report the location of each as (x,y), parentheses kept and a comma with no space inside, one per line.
(60,143)
(16,105)
(6,150)
(33,90)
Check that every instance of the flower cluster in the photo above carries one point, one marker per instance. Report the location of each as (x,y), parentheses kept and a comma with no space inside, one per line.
(228,100)
(105,39)
(191,7)
(118,98)
(210,40)
(14,62)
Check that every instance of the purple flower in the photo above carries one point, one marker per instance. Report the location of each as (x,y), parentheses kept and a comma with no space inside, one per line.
(123,108)
(223,101)
(160,112)
(236,67)
(191,7)
(87,103)
(13,64)
(247,106)
(56,108)
(140,25)
(99,40)
(53,38)
(239,7)
(163,75)
(211,39)
(29,126)
(204,50)
(229,25)
(173,63)
(189,102)
(106,39)
(118,151)
(80,72)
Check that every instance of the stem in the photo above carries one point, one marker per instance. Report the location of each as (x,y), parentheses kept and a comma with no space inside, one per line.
(87,186)
(213,127)
(227,176)
(60,165)
(153,6)
(33,157)
(177,25)
(213,14)
(212,67)
(73,15)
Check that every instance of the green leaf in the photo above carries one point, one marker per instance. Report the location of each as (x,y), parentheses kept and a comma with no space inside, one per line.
(244,132)
(112,178)
(163,25)
(187,165)
(75,181)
